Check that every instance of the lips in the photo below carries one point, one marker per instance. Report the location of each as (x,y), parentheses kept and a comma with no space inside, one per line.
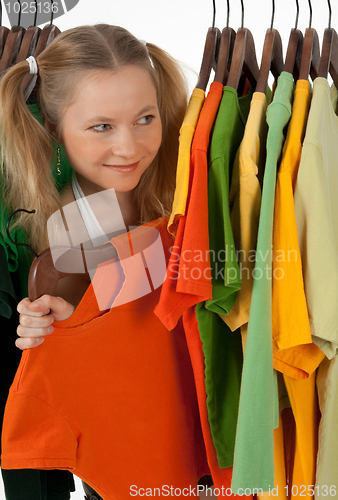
(123,168)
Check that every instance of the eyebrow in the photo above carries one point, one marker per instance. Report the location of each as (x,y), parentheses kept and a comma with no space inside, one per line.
(104,119)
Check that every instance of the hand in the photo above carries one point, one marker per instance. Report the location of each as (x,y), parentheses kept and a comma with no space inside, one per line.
(36,319)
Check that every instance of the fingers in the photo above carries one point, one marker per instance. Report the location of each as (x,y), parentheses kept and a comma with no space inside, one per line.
(28,322)
(28,343)
(36,319)
(36,308)
(60,308)
(38,328)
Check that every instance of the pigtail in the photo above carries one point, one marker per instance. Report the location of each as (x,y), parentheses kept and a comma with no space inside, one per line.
(26,151)
(158,182)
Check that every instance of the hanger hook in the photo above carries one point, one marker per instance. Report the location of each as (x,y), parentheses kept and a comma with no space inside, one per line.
(9,236)
(330,12)
(52,12)
(36,12)
(242,23)
(228,13)
(19,17)
(310,7)
(297,15)
(273,14)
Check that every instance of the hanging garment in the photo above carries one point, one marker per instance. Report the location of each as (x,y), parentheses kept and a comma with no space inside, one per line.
(316,208)
(279,488)
(304,403)
(183,162)
(222,348)
(221,476)
(258,408)
(188,257)
(226,138)
(188,275)
(327,459)
(127,432)
(245,199)
(294,353)
(245,203)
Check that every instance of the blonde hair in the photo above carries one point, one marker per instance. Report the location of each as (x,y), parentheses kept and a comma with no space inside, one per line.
(27,145)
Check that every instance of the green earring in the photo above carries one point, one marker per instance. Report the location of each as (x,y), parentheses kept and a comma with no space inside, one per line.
(58,164)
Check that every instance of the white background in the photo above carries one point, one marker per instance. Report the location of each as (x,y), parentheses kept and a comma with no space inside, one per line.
(180,27)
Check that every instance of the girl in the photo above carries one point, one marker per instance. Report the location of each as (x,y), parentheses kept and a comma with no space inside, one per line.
(115,105)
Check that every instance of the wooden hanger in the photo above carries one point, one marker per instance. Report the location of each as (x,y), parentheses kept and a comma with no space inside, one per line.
(209,54)
(12,45)
(329,56)
(44,275)
(30,39)
(272,56)
(243,58)
(272,59)
(225,51)
(48,33)
(294,50)
(209,57)
(3,32)
(311,54)
(29,42)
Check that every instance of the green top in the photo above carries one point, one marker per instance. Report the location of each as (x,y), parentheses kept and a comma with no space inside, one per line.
(223,348)
(254,459)
(19,257)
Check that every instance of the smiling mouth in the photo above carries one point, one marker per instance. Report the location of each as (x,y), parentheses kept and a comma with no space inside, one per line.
(123,168)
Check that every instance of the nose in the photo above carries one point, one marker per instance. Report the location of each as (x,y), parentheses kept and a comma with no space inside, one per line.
(125,144)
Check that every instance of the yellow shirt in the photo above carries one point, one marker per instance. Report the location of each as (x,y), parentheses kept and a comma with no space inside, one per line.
(316,208)
(294,352)
(245,203)
(183,162)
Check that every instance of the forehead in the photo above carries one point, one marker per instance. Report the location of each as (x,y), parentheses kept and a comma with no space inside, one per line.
(124,91)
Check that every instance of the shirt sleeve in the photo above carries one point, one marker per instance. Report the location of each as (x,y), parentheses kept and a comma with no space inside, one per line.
(35,435)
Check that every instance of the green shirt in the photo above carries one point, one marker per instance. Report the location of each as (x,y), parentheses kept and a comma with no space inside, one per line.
(254,459)
(222,348)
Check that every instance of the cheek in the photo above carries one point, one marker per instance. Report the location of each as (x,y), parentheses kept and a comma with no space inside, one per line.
(156,141)
(78,147)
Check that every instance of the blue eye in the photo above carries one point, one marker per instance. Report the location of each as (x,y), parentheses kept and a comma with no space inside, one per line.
(146,120)
(101,128)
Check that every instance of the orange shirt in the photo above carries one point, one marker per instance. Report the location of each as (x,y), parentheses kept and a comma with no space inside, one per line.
(221,476)
(189,275)
(110,394)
